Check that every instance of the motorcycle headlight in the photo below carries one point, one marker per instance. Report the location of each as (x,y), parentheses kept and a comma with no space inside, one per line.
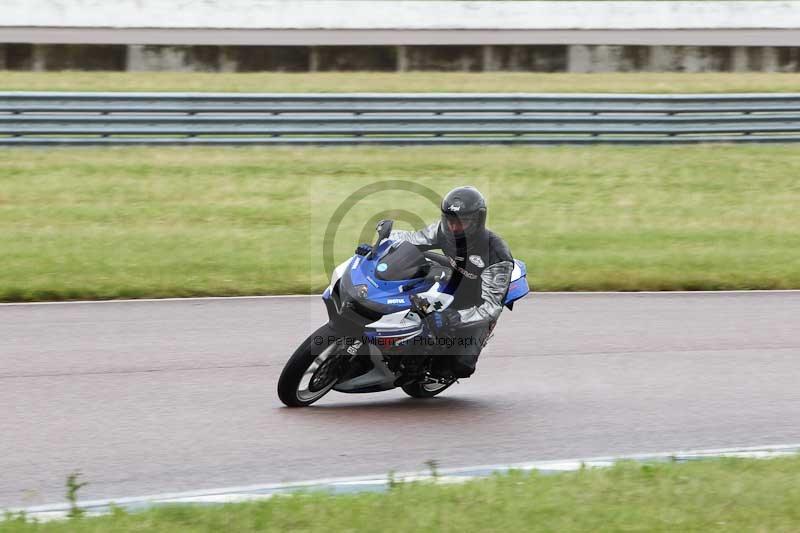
(361,290)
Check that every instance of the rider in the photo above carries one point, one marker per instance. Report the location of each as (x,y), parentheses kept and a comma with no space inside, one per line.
(482,265)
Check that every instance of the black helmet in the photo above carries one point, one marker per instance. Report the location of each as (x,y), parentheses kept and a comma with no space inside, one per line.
(464,208)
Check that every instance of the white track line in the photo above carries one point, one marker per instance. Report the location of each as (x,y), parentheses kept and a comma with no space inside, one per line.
(149,300)
(279,296)
(447,475)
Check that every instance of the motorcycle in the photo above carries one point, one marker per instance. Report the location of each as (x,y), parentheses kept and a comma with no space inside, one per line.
(375,339)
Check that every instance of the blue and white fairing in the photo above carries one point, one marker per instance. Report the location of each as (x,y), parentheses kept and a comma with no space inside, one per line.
(388,299)
(519,284)
(391,298)
(394,295)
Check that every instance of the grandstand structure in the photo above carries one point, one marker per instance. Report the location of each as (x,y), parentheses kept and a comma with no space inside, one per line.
(329,35)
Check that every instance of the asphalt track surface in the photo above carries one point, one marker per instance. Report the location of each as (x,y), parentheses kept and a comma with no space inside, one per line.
(156,396)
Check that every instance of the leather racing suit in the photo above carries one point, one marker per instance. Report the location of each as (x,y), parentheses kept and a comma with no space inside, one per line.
(482,268)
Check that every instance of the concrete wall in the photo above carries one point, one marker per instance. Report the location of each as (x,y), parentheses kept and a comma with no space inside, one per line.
(400,14)
(530,58)
(323,35)
(400,22)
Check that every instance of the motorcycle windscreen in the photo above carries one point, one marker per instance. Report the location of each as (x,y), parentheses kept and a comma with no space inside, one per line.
(402,262)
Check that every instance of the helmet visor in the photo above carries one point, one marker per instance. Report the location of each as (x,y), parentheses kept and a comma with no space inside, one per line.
(459,224)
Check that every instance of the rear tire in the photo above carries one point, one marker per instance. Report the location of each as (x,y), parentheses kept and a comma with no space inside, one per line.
(312,371)
(425,390)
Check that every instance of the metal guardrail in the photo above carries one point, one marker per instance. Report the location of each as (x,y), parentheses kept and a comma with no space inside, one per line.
(200,118)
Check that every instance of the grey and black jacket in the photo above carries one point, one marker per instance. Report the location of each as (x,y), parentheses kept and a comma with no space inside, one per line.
(482,271)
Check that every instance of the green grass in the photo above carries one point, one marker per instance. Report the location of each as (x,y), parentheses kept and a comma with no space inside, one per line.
(162,222)
(713,495)
(634,82)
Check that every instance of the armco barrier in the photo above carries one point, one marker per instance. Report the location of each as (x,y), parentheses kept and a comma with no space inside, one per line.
(211,118)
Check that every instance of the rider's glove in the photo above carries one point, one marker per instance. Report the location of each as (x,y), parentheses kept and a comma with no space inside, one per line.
(442,320)
(363,249)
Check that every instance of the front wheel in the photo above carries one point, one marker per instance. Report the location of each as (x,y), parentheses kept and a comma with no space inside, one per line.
(425,390)
(313,369)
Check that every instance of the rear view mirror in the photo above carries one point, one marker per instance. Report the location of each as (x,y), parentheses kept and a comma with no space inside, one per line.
(384,228)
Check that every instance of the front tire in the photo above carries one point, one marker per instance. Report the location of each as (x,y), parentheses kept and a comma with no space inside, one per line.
(313,369)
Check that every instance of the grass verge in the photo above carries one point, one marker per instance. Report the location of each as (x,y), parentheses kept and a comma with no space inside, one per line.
(172,222)
(336,82)
(713,495)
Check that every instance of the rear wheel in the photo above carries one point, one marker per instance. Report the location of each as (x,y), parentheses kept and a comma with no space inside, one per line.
(313,369)
(425,390)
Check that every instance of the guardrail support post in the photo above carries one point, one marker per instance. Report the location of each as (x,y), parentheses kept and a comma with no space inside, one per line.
(313,60)
(490,59)
(38,63)
(402,58)
(739,59)
(579,58)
